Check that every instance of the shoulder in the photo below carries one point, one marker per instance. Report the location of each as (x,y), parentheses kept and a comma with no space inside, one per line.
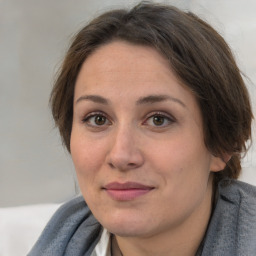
(232,228)
(237,192)
(235,188)
(237,202)
(72,230)
(70,215)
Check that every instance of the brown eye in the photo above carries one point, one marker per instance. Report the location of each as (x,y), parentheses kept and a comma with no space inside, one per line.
(158,120)
(100,120)
(96,120)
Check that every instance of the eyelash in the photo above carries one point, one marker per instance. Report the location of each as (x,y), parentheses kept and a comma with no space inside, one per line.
(167,118)
(87,119)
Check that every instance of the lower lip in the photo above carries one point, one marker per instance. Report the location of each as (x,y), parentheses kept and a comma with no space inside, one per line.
(126,194)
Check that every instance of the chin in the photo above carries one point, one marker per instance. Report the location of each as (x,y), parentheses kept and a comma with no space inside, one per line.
(128,230)
(129,226)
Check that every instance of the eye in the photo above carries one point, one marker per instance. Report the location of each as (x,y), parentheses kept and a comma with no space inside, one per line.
(96,120)
(159,120)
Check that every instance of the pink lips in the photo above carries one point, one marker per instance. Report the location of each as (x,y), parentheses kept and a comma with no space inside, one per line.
(126,191)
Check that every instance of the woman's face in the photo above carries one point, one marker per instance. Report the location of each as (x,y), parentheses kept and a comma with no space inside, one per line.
(137,143)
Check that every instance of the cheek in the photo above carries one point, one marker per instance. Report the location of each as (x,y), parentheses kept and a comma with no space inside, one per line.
(87,157)
(183,158)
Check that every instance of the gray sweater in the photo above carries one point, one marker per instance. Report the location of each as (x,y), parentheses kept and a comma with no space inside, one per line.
(73,230)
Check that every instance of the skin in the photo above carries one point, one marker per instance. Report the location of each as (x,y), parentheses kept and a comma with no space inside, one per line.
(124,130)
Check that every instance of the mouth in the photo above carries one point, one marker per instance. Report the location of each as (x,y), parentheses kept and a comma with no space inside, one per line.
(126,191)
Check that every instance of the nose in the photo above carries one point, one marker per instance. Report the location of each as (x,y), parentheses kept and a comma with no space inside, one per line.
(125,153)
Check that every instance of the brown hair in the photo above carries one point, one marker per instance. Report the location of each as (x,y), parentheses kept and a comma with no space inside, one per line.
(197,54)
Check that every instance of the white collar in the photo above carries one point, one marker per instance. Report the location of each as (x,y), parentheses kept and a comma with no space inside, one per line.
(103,247)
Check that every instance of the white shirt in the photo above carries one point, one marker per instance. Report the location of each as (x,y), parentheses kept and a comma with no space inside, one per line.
(103,247)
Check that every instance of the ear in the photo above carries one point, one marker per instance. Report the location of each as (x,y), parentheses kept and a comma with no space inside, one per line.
(219,163)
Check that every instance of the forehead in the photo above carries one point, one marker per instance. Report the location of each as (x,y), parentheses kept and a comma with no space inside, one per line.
(127,63)
(129,53)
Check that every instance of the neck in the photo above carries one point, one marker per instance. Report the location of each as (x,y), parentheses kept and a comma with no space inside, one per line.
(183,240)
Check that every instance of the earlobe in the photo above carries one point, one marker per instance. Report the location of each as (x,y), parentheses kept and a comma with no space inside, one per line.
(226,157)
(219,163)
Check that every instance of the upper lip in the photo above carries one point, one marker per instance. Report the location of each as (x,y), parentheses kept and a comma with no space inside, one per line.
(126,185)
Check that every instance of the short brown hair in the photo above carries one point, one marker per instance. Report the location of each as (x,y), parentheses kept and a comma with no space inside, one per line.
(197,54)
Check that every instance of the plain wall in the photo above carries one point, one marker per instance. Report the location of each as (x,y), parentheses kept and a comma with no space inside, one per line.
(34,34)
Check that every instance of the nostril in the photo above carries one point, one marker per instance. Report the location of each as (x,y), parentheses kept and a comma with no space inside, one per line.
(131,164)
(111,165)
(122,166)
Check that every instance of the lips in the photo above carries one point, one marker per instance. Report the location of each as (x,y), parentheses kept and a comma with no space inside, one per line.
(126,191)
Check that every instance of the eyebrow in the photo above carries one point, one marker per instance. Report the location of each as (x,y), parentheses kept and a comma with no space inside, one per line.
(158,98)
(94,98)
(150,99)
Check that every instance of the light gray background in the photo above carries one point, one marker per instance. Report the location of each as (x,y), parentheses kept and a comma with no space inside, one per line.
(34,35)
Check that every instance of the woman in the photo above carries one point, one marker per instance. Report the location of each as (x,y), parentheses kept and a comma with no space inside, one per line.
(153,109)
